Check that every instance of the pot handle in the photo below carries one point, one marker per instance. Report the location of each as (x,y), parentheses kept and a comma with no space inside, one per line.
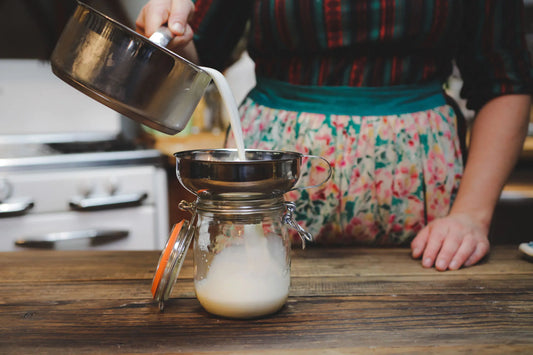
(162,36)
(330,172)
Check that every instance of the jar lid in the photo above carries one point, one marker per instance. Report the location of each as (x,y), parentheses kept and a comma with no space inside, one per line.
(171,260)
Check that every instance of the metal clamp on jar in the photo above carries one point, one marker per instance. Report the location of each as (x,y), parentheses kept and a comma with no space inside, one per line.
(239,224)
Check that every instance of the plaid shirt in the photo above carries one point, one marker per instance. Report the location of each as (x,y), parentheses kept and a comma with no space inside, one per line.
(373,43)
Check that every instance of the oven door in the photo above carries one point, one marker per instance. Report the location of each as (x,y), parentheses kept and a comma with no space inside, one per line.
(119,229)
(106,207)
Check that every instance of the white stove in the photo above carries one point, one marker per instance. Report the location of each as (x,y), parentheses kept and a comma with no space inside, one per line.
(68,178)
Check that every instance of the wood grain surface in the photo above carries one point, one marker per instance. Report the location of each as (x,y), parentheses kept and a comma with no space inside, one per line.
(351,300)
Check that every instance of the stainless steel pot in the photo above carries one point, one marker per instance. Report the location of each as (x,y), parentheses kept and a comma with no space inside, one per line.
(128,72)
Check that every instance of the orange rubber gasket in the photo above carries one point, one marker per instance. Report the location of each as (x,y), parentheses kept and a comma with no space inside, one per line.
(164,258)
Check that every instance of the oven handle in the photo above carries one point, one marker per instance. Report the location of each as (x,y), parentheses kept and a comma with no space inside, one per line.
(15,207)
(97,203)
(94,236)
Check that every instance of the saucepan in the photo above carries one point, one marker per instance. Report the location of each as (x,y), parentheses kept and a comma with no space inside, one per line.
(134,75)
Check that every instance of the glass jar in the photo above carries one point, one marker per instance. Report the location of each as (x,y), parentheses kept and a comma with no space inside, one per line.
(241,255)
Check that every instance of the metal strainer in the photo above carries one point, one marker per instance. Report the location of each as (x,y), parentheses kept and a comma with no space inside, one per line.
(220,173)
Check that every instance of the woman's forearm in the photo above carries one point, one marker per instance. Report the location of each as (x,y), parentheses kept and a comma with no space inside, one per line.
(497,138)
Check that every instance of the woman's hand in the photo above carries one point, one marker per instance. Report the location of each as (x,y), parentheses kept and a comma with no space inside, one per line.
(175,14)
(451,242)
(460,239)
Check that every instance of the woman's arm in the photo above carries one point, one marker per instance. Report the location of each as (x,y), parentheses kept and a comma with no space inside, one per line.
(495,65)
(461,238)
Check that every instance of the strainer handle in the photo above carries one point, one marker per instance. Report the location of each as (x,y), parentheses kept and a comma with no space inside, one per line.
(330,172)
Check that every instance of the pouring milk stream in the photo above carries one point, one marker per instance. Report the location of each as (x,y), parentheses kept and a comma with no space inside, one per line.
(231,107)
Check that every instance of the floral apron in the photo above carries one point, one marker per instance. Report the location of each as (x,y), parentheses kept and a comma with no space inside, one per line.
(394,151)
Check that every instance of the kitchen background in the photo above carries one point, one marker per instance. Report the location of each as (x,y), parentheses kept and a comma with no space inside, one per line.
(75,174)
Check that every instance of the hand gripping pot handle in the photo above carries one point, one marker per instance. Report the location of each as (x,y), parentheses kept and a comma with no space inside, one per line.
(162,36)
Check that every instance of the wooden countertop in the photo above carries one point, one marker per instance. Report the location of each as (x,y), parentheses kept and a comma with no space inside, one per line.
(348,300)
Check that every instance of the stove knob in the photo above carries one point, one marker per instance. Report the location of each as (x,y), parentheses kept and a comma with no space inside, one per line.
(112,185)
(87,188)
(5,189)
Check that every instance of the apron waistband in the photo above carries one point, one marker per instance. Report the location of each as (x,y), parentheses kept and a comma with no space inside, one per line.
(346,100)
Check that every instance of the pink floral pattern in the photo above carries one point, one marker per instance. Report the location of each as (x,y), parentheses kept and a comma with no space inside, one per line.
(391,174)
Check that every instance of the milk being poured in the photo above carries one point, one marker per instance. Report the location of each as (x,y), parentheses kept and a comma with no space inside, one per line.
(231,107)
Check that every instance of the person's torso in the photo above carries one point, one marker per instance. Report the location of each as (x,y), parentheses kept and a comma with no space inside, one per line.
(354,42)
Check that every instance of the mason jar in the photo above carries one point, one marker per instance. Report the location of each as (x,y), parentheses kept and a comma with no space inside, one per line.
(241,253)
(241,257)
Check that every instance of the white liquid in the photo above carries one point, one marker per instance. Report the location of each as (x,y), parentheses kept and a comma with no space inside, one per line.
(247,280)
(231,107)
